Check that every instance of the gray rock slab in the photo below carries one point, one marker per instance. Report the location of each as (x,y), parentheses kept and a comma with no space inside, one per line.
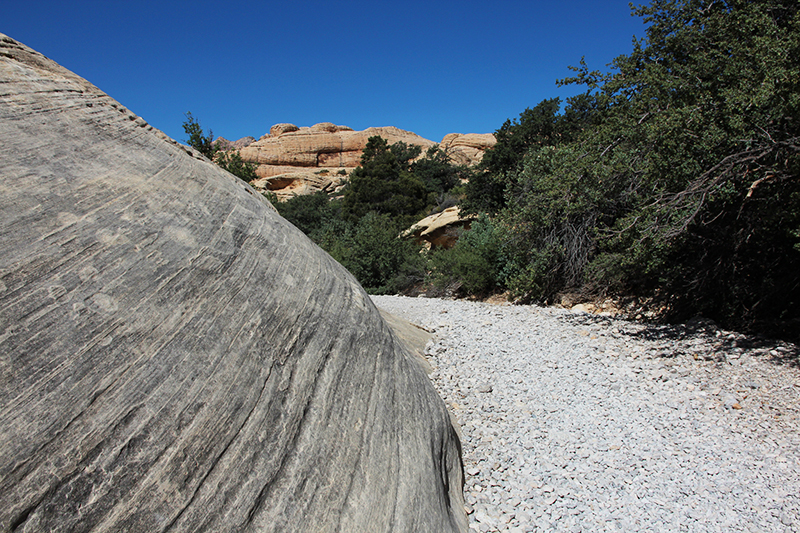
(174,356)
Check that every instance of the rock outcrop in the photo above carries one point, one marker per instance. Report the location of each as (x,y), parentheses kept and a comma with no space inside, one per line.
(440,230)
(297,182)
(174,356)
(225,144)
(467,148)
(293,161)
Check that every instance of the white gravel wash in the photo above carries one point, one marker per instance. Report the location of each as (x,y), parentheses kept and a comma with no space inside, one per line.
(572,422)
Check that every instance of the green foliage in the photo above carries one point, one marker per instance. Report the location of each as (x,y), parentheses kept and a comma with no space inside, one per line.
(230,161)
(233,163)
(384,196)
(539,127)
(271,197)
(311,213)
(474,263)
(389,182)
(552,209)
(676,173)
(403,153)
(438,173)
(197,138)
(535,127)
(371,250)
(383,183)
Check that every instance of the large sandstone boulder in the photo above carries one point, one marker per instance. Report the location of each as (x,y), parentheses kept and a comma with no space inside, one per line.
(467,148)
(176,357)
(439,230)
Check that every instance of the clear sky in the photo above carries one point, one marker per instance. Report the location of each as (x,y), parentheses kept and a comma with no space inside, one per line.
(432,67)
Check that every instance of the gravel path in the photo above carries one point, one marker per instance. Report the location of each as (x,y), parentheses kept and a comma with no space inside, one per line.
(574,422)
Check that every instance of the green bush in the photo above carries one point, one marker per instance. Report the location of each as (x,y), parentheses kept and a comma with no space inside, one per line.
(677,173)
(197,138)
(384,183)
(438,173)
(233,163)
(474,263)
(384,196)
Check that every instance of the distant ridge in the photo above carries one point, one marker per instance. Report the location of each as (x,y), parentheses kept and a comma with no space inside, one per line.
(294,160)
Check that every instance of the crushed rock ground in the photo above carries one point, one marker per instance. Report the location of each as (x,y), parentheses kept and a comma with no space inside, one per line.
(581,423)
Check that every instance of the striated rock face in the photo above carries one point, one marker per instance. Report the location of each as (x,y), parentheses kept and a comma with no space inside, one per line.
(176,357)
(293,161)
(467,149)
(323,146)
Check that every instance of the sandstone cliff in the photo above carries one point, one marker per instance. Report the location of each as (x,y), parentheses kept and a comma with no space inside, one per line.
(293,160)
(467,149)
(174,356)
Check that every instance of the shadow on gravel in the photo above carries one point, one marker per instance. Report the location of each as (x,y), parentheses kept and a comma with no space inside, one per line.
(698,337)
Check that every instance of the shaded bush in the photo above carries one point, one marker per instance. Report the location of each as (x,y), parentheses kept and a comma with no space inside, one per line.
(384,183)
(232,162)
(310,213)
(676,174)
(371,250)
(474,264)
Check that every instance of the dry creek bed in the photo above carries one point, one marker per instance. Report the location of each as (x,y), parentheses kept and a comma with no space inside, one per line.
(580,423)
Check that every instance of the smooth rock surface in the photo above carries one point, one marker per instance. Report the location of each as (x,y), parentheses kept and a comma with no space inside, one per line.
(174,356)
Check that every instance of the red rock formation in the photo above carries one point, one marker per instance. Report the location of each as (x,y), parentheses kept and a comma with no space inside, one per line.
(293,161)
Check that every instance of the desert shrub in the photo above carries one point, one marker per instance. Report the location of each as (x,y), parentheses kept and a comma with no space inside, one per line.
(388,181)
(677,174)
(384,183)
(438,173)
(204,143)
(541,126)
(372,252)
(197,138)
(474,263)
(310,213)
(553,207)
(233,163)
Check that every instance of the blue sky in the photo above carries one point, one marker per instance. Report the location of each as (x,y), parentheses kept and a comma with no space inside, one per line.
(431,67)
